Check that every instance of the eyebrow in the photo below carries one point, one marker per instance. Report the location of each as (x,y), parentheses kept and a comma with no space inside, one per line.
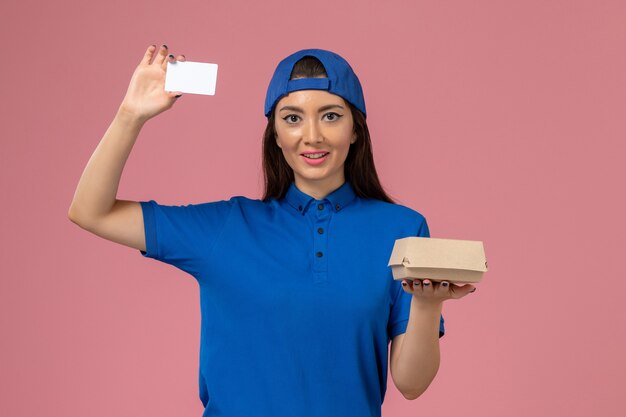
(322,109)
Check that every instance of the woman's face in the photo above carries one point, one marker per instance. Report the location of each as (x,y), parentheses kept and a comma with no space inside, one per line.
(310,122)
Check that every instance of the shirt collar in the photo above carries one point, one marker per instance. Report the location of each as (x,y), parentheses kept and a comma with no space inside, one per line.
(338,199)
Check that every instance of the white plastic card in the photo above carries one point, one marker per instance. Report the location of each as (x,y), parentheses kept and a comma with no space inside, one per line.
(191,77)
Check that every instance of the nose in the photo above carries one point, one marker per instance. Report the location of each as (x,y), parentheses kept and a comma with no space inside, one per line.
(312,132)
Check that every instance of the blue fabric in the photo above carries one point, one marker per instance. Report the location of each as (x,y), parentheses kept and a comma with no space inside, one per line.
(308,84)
(341,81)
(298,304)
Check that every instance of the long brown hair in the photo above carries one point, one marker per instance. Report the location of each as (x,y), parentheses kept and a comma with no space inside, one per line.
(359,167)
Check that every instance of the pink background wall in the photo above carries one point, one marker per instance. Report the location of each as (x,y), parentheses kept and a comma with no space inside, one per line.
(500,121)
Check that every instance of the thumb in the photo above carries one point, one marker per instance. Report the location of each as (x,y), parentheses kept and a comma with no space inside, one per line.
(467,289)
(174,94)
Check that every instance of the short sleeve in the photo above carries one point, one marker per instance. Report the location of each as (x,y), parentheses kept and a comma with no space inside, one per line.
(180,235)
(401,307)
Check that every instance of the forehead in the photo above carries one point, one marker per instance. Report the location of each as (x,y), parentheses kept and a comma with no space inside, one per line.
(310,98)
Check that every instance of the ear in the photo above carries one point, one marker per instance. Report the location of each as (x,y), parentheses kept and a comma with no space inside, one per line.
(277,143)
(354,136)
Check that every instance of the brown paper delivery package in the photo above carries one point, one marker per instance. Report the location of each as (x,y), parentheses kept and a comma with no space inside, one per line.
(457,261)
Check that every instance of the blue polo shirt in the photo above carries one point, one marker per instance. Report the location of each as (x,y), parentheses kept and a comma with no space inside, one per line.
(298,304)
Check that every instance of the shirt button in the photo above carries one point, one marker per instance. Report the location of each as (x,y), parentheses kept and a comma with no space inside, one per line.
(320,206)
(319,254)
(320,230)
(337,207)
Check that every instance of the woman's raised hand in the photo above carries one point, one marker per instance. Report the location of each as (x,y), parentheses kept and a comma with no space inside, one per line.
(146,97)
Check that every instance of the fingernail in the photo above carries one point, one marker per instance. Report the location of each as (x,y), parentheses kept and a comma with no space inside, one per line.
(165,46)
(473,290)
(178,95)
(426,283)
(404,284)
(171,56)
(445,284)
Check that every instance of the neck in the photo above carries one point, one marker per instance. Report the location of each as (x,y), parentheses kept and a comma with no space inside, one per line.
(319,189)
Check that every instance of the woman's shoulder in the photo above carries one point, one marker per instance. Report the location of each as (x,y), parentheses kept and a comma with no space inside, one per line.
(393,209)
(252,205)
(223,203)
(243,200)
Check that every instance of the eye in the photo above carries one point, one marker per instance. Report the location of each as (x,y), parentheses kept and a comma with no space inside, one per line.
(291,118)
(331,117)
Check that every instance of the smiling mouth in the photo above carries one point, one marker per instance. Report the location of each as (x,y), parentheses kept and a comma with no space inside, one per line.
(315,155)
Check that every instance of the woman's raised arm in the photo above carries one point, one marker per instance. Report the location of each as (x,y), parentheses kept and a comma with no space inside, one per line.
(95,207)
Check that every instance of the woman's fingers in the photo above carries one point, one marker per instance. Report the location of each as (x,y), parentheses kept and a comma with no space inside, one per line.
(147,57)
(437,289)
(160,56)
(170,58)
(444,287)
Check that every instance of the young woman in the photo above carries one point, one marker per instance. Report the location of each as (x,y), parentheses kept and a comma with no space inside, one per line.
(298,304)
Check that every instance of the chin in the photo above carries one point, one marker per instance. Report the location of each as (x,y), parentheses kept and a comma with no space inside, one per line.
(319,177)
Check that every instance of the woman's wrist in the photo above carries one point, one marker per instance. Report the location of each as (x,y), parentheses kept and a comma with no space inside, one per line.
(427,305)
(130,117)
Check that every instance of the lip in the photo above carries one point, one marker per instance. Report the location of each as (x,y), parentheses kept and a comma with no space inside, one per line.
(314,161)
(315,151)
